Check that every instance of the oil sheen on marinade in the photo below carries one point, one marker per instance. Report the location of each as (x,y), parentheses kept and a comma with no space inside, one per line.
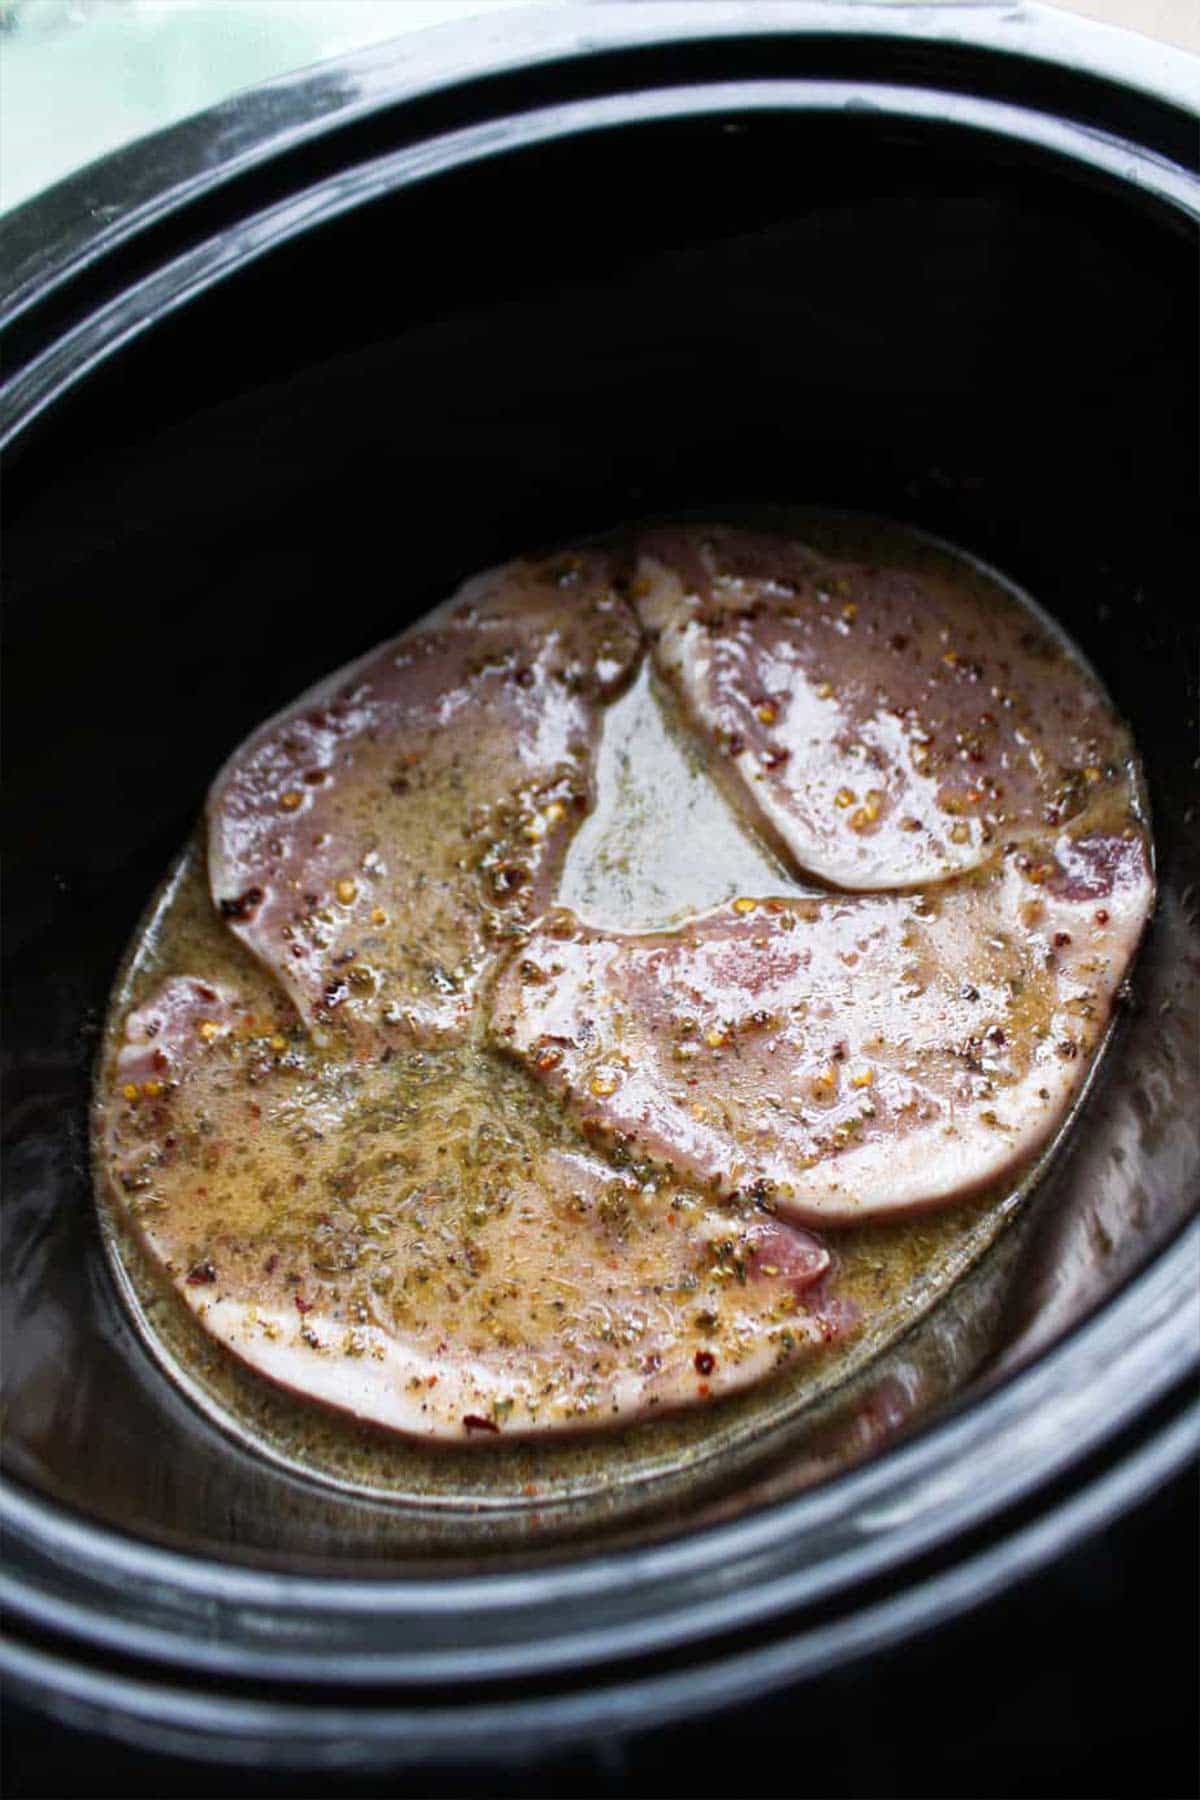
(411,1231)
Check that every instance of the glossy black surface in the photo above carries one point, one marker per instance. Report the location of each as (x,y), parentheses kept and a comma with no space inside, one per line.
(88,235)
(976,321)
(1039,1678)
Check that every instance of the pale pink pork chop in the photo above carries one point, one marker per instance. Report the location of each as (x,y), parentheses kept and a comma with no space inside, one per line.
(371,1208)
(883,728)
(408,1242)
(376,842)
(842,1058)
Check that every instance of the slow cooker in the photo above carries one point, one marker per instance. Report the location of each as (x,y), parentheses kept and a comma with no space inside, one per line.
(275,379)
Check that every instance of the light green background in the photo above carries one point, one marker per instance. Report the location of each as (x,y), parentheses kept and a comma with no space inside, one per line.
(80,77)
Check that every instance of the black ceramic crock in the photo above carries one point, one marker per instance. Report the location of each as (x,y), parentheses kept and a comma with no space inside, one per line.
(276,378)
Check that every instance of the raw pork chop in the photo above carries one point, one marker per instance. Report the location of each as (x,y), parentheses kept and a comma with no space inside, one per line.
(886,729)
(841,1057)
(373,844)
(408,1242)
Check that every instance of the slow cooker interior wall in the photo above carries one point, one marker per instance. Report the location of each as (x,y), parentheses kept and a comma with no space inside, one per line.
(295,464)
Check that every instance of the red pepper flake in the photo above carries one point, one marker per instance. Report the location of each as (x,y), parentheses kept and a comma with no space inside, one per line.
(201,1274)
(508,879)
(1101,916)
(473,1422)
(705,1362)
(1061,939)
(302,1305)
(245,906)
(272,1263)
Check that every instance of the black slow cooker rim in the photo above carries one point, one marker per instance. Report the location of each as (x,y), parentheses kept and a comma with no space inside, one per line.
(288,1725)
(77,345)
(1150,1317)
(1110,81)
